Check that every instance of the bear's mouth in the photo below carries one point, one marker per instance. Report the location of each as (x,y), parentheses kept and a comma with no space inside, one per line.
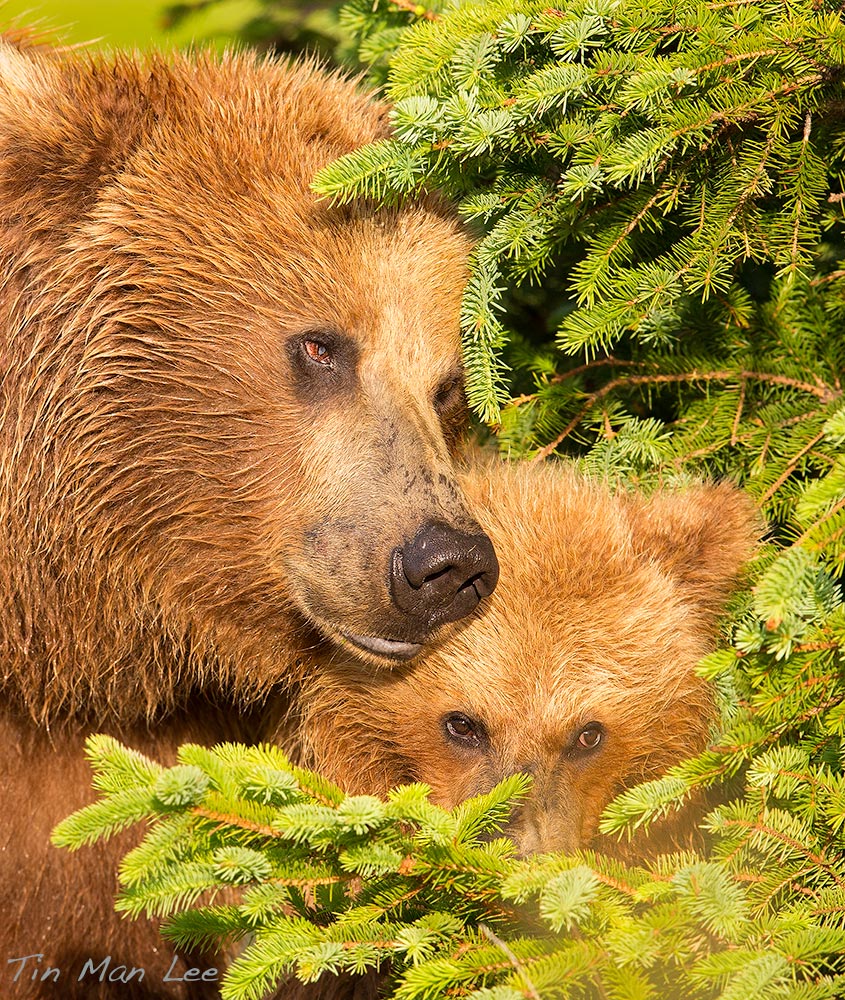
(394,649)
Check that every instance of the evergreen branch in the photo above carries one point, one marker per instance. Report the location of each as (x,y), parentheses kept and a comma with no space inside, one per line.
(779,697)
(727,4)
(819,860)
(736,58)
(805,536)
(608,252)
(309,882)
(232,820)
(823,392)
(791,466)
(617,884)
(493,938)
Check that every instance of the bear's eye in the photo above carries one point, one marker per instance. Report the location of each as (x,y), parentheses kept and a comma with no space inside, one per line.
(323,365)
(317,352)
(464,731)
(449,394)
(589,737)
(450,406)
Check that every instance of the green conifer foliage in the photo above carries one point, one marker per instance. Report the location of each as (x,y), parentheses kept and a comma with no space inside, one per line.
(657,292)
(634,156)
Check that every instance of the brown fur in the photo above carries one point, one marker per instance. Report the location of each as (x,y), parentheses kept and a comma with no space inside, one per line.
(61,905)
(183,517)
(605,606)
(176,505)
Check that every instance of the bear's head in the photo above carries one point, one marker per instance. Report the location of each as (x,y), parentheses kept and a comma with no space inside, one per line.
(580,672)
(222,395)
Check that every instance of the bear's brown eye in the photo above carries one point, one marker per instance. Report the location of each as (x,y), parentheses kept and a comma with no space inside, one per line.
(464,731)
(317,352)
(323,365)
(589,737)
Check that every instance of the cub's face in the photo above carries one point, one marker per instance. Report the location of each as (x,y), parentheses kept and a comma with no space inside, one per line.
(581,672)
(588,685)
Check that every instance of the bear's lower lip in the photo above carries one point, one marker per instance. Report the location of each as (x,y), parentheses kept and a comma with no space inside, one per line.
(396,649)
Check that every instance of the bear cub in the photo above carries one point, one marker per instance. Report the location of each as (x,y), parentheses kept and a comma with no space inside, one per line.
(580,672)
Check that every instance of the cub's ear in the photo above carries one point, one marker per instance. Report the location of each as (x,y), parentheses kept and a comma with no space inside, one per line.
(66,124)
(701,535)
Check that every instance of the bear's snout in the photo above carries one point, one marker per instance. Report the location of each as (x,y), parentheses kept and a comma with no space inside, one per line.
(537,828)
(442,573)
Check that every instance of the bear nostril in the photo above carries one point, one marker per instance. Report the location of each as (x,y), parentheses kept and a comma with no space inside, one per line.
(432,576)
(442,573)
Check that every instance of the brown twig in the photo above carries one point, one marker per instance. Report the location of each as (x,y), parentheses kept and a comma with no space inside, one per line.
(823,392)
(823,279)
(816,647)
(796,228)
(572,373)
(493,938)
(738,415)
(791,467)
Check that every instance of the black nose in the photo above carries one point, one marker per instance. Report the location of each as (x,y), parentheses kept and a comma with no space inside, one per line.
(442,573)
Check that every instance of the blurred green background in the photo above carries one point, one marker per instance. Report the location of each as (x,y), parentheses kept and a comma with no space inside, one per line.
(132,23)
(285,25)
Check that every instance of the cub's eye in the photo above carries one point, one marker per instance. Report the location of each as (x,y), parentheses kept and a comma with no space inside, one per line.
(589,737)
(463,731)
(317,352)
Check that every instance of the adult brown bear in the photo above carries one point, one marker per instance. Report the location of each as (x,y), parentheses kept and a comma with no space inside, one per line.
(226,418)
(580,671)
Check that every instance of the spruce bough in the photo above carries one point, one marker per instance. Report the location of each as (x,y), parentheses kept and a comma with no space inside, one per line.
(657,291)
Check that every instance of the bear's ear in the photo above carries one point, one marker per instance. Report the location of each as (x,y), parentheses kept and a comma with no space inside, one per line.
(65,125)
(701,535)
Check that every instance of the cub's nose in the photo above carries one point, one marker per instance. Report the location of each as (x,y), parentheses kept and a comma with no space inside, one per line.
(442,573)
